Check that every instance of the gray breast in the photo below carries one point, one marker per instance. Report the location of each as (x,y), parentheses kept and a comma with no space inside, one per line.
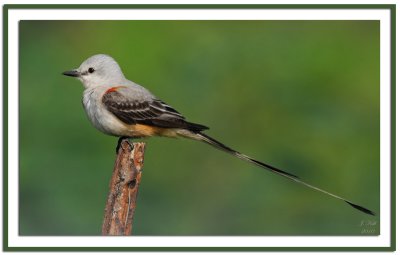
(99,116)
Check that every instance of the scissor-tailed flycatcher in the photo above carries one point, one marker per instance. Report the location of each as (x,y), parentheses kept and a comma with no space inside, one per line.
(119,107)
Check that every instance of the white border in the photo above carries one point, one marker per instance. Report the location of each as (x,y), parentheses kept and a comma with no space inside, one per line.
(364,241)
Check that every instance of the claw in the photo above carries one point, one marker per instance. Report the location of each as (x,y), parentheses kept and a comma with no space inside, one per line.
(119,143)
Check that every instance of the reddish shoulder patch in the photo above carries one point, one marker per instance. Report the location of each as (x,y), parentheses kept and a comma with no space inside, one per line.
(113,89)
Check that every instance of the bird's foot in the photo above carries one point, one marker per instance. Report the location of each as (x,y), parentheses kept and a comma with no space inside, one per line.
(119,143)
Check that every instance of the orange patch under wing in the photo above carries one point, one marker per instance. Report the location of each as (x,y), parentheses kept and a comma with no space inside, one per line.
(113,89)
(145,130)
(141,130)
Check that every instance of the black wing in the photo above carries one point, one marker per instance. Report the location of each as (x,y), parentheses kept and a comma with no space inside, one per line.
(153,113)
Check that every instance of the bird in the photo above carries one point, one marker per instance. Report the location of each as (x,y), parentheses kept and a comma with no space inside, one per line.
(119,107)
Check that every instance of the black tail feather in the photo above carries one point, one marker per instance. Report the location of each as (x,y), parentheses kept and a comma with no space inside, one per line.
(363,209)
(223,147)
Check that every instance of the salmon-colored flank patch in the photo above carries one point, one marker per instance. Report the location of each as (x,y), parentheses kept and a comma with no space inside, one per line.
(113,89)
(140,130)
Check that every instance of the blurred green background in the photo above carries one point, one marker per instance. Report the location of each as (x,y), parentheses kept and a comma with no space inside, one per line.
(300,95)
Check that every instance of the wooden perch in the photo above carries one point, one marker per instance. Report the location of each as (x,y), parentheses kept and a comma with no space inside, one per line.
(124,187)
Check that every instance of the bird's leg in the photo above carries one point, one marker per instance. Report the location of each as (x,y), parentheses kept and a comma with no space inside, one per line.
(119,143)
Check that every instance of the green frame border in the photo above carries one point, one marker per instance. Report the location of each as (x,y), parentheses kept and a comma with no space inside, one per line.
(390,7)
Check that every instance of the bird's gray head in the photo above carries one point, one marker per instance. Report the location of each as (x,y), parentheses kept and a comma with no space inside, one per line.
(98,70)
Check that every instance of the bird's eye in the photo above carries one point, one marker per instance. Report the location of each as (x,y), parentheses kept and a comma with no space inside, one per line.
(91,70)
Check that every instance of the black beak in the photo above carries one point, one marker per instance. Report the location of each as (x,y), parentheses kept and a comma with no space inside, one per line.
(73,73)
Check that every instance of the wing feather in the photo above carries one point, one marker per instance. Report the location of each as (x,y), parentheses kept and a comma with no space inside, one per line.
(151,112)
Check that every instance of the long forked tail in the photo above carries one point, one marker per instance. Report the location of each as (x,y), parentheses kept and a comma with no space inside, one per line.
(211,141)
